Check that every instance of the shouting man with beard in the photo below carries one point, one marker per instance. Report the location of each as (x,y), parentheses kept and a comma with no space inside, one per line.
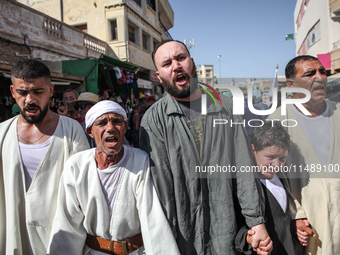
(201,209)
(34,148)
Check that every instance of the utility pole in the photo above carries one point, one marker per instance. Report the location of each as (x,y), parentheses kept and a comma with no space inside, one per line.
(219,60)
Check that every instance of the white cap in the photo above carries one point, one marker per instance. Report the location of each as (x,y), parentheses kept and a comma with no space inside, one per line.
(105,106)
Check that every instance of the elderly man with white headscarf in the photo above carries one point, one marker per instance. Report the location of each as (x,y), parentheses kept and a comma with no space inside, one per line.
(106,201)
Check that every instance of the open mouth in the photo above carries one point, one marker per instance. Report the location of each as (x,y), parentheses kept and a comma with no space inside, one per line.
(181,79)
(111,140)
(31,111)
(320,88)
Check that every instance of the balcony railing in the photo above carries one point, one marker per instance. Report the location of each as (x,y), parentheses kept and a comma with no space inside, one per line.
(53,27)
(93,43)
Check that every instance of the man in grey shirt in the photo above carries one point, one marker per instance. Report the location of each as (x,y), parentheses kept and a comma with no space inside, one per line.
(199,208)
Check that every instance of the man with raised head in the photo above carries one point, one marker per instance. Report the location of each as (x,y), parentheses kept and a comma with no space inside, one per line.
(34,148)
(314,154)
(178,138)
(107,202)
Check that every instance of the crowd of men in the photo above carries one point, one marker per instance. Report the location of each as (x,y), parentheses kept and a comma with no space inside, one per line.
(70,188)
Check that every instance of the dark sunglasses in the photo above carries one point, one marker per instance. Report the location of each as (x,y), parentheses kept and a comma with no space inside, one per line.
(81,106)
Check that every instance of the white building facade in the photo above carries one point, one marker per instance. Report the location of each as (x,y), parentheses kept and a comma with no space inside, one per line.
(317,31)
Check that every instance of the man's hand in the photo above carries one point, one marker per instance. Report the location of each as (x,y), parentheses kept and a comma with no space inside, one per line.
(62,110)
(250,234)
(266,246)
(303,231)
(261,241)
(260,235)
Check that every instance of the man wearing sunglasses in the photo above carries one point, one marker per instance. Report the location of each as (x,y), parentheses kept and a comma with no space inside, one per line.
(84,103)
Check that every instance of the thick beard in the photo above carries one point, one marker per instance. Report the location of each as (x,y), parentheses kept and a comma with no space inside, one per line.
(36,119)
(184,91)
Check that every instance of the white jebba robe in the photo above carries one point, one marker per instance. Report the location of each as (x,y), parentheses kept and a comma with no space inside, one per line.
(82,208)
(26,217)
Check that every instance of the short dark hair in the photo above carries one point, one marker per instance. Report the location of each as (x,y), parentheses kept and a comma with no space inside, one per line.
(144,100)
(290,70)
(272,133)
(30,69)
(163,42)
(71,90)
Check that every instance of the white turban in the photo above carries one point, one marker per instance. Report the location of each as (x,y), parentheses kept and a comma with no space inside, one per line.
(102,107)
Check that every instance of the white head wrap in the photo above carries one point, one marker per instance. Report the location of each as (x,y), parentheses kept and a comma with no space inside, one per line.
(105,106)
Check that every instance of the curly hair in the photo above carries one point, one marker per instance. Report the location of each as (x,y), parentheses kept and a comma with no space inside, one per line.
(272,133)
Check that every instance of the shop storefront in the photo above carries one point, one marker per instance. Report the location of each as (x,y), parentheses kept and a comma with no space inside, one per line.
(107,77)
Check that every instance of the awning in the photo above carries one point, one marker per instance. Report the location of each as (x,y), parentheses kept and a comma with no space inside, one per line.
(144,84)
(88,68)
(325,60)
(115,62)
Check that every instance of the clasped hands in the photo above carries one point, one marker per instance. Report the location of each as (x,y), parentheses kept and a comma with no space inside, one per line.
(259,239)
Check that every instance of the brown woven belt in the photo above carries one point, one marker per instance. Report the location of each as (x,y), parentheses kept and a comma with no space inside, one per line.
(122,247)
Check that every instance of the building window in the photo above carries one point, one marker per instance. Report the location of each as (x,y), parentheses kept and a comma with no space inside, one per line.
(131,31)
(313,36)
(82,27)
(151,4)
(146,42)
(155,43)
(139,2)
(114,34)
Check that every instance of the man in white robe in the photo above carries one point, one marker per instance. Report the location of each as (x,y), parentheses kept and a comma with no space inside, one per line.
(34,147)
(313,157)
(107,196)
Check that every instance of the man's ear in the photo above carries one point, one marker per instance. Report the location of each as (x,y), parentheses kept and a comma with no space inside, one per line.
(12,90)
(89,132)
(252,150)
(193,63)
(290,83)
(125,125)
(51,90)
(159,78)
